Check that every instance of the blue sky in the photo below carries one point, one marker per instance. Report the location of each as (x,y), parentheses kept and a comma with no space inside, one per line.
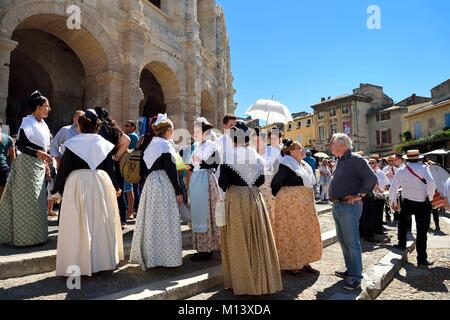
(299,51)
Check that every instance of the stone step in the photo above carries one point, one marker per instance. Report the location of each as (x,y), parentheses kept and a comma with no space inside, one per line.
(20,262)
(182,287)
(190,279)
(47,286)
(42,259)
(380,262)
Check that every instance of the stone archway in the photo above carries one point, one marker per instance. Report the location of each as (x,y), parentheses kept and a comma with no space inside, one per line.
(38,33)
(207,107)
(42,61)
(161,90)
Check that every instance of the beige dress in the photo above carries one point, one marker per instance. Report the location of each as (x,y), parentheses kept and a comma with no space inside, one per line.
(90,233)
(249,256)
(297,228)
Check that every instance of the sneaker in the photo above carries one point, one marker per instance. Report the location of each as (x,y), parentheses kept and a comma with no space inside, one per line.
(343,275)
(352,285)
(397,246)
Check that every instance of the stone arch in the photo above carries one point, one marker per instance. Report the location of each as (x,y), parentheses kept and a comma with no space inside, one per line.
(51,16)
(93,55)
(162,92)
(207,107)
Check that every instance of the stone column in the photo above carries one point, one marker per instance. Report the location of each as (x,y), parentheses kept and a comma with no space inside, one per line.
(6,47)
(194,64)
(105,90)
(134,29)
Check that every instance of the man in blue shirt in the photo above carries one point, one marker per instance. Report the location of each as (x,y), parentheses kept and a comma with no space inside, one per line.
(309,159)
(57,145)
(131,191)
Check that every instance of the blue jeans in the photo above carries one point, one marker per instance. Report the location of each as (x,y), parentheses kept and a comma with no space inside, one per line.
(346,218)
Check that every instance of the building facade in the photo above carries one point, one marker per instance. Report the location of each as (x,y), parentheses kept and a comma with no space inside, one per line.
(426,119)
(385,129)
(302,129)
(136,57)
(348,114)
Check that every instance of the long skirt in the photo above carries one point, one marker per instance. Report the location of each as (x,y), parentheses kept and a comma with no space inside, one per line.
(297,228)
(269,199)
(157,235)
(209,241)
(23,207)
(90,233)
(249,255)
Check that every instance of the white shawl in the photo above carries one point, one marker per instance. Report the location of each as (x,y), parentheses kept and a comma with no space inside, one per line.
(303,171)
(156,149)
(203,152)
(36,131)
(246,162)
(92,148)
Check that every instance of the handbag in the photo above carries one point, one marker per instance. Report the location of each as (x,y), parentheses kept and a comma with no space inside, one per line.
(221,220)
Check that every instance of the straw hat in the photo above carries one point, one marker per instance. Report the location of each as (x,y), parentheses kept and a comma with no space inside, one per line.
(413,155)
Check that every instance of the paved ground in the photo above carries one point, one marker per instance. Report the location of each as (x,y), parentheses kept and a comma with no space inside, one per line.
(319,287)
(47,286)
(413,283)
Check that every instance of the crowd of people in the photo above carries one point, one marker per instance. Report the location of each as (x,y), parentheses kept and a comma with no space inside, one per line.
(263,185)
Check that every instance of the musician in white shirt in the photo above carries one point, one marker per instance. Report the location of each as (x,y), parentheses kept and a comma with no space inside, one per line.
(380,188)
(224,142)
(390,170)
(418,190)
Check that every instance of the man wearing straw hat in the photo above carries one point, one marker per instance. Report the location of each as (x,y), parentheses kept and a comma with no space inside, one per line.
(418,190)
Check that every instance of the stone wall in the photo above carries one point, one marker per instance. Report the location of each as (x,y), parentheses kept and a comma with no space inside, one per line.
(184,44)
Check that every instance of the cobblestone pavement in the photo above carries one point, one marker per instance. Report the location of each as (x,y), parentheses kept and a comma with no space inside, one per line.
(433,283)
(325,286)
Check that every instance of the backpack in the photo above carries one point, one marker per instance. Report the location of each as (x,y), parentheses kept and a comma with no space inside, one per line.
(130,166)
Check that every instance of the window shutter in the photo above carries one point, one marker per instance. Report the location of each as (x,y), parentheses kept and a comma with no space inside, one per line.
(378,137)
(389,136)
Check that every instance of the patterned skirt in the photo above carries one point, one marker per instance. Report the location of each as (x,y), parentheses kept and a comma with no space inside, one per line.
(266,191)
(297,228)
(157,235)
(209,241)
(249,255)
(23,207)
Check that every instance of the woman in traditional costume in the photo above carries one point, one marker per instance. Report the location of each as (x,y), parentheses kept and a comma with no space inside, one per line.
(249,256)
(23,207)
(204,193)
(272,156)
(157,235)
(297,228)
(90,235)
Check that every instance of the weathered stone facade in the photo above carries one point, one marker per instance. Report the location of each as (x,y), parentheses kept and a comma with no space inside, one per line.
(348,114)
(136,57)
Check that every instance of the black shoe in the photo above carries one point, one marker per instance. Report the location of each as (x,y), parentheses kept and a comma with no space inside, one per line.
(425,263)
(343,275)
(352,285)
(202,256)
(311,270)
(371,240)
(397,246)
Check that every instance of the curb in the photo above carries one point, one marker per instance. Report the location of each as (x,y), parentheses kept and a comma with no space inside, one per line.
(384,272)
